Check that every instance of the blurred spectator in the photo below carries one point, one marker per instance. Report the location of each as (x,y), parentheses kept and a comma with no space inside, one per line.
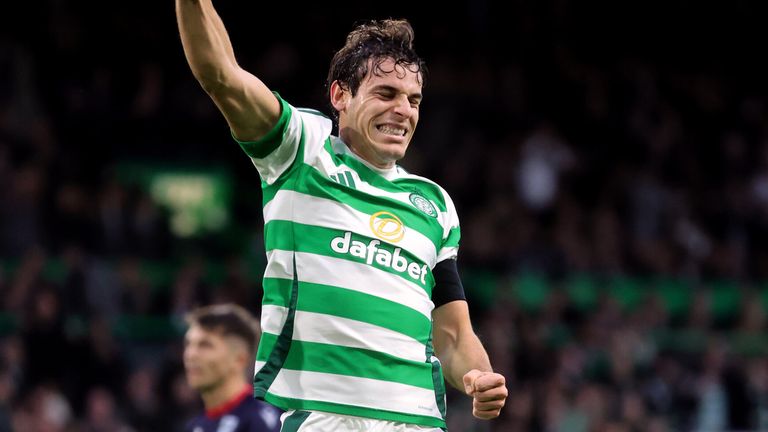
(7,390)
(45,343)
(143,407)
(102,414)
(44,409)
(22,215)
(544,158)
(105,361)
(633,182)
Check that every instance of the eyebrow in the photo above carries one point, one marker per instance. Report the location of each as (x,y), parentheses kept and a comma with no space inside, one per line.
(392,89)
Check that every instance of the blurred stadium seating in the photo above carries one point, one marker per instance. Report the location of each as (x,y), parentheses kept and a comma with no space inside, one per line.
(609,163)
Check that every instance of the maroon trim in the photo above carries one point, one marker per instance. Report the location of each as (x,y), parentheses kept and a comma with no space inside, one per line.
(228,406)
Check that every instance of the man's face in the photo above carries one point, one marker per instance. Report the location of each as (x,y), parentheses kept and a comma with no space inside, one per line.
(209,358)
(379,121)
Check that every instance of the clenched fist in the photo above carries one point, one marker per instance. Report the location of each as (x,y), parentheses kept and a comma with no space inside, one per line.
(488,391)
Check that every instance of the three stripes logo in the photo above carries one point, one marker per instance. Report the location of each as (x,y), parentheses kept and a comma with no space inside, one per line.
(344,178)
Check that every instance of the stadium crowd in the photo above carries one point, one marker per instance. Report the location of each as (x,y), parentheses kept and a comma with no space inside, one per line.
(613,194)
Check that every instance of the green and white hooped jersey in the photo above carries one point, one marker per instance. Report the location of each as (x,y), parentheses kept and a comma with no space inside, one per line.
(346,315)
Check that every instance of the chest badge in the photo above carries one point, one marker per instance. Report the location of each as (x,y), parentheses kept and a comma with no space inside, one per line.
(423,204)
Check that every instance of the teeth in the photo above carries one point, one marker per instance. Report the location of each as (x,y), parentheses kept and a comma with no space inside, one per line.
(392,130)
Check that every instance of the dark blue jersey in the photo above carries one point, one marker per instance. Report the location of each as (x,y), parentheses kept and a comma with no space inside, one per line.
(241,414)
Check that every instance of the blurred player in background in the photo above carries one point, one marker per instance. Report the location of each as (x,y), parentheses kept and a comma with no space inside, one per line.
(218,350)
(364,312)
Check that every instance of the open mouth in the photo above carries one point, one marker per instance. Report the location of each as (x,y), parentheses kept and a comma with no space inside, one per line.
(392,130)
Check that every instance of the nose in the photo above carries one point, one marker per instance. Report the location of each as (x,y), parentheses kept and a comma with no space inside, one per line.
(403,107)
(188,353)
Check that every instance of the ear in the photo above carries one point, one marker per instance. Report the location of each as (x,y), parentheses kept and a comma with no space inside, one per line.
(339,96)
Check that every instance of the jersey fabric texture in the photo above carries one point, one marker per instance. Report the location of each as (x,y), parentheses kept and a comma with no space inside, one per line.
(346,315)
(242,414)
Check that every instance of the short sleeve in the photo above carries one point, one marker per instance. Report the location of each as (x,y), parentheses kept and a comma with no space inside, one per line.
(296,132)
(449,248)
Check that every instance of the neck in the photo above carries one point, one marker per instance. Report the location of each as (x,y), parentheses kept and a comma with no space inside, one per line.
(379,165)
(350,138)
(217,396)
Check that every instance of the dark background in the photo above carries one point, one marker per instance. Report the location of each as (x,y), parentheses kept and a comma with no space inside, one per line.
(609,161)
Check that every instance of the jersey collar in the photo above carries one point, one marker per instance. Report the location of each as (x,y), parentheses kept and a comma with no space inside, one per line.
(229,405)
(341,147)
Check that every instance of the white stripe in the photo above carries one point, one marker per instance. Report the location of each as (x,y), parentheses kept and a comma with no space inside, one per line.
(311,210)
(273,318)
(447,252)
(325,164)
(279,264)
(274,164)
(354,276)
(362,392)
(333,330)
(324,421)
(329,329)
(317,129)
(257,365)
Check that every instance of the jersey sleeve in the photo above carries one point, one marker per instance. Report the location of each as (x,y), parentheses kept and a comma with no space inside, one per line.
(296,134)
(449,248)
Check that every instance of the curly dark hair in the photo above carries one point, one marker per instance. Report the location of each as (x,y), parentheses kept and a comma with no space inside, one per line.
(379,41)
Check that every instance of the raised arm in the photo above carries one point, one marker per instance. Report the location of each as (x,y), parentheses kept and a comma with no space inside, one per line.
(465,362)
(248,105)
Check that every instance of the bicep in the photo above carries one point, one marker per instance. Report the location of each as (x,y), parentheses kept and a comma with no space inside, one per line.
(248,105)
(449,321)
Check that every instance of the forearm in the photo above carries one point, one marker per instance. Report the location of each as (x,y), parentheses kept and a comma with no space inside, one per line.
(206,43)
(465,354)
(248,105)
(465,363)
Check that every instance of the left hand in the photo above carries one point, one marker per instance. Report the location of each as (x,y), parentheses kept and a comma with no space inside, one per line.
(488,391)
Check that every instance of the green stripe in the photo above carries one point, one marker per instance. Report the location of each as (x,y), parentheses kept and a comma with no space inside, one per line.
(350,179)
(454,235)
(358,362)
(289,176)
(424,187)
(328,146)
(438,381)
(279,234)
(354,362)
(277,291)
(278,348)
(314,183)
(309,180)
(269,191)
(439,385)
(294,421)
(330,300)
(261,148)
(267,343)
(372,413)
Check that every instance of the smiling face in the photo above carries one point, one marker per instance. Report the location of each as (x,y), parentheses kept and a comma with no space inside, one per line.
(211,359)
(378,122)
